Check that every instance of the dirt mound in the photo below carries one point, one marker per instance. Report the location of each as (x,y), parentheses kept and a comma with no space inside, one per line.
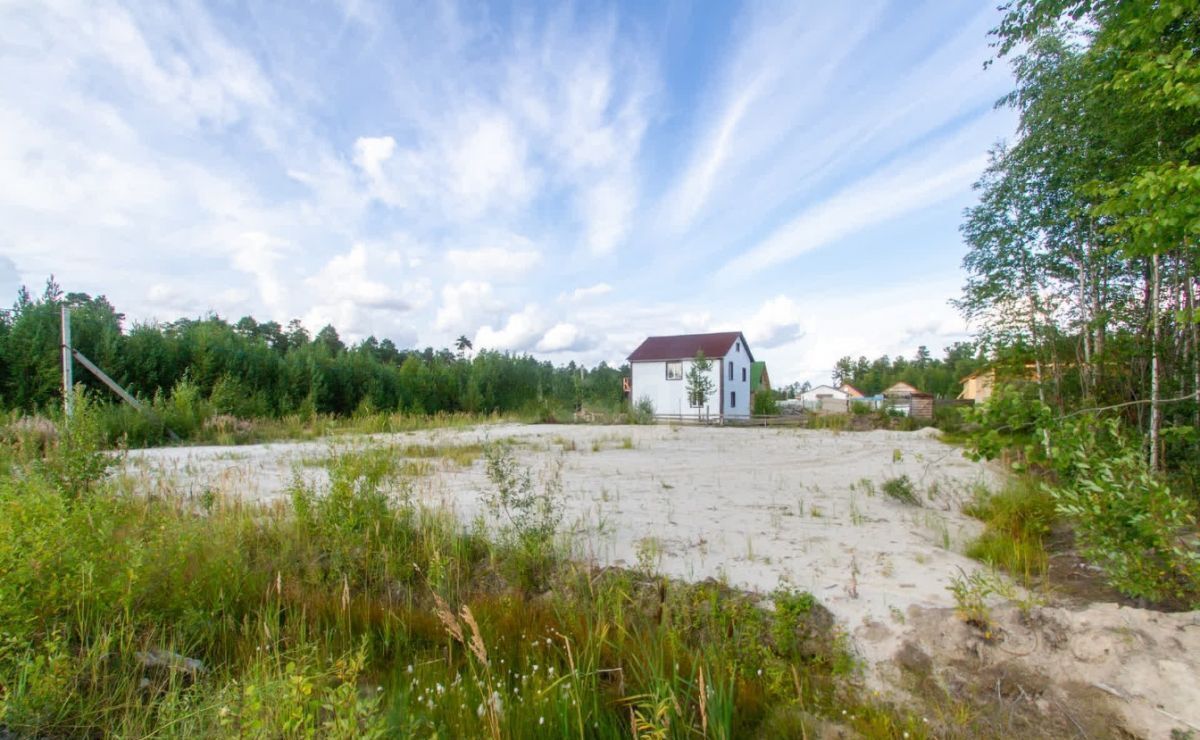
(1100,671)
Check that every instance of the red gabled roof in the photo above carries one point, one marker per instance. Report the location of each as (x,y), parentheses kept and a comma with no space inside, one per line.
(685,346)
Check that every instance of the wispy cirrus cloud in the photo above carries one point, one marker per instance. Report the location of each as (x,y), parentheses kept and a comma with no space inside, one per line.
(561,181)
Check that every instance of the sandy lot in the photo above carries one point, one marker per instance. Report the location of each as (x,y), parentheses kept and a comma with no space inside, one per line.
(762,508)
(759,508)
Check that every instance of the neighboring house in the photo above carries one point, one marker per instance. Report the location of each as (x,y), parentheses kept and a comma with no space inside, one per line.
(907,399)
(825,399)
(821,392)
(659,369)
(900,390)
(760,381)
(851,391)
(978,385)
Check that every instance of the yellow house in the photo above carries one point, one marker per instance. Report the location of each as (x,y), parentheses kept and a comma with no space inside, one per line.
(978,385)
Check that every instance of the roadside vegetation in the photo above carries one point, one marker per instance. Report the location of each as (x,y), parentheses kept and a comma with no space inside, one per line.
(1081,284)
(210,380)
(353,612)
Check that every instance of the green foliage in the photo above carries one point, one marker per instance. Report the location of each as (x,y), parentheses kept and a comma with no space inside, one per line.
(971,594)
(319,620)
(936,376)
(78,460)
(642,411)
(901,489)
(700,384)
(1127,519)
(531,515)
(765,404)
(191,370)
(1018,519)
(1013,420)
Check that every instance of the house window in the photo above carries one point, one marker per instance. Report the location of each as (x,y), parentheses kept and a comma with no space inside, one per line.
(732,399)
(675,370)
(743,375)
(731,369)
(737,346)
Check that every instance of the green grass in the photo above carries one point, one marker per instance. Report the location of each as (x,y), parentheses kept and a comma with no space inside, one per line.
(900,488)
(352,612)
(1018,518)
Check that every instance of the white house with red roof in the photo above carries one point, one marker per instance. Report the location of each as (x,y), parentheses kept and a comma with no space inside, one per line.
(660,367)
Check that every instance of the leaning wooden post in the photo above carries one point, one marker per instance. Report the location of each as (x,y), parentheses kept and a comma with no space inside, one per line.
(67,365)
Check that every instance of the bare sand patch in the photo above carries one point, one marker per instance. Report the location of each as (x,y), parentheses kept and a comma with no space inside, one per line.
(764,508)
(759,508)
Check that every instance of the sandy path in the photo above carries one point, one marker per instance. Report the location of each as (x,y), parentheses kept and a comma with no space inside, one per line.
(758,507)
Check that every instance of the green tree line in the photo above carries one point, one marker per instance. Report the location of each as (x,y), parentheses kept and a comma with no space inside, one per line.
(939,377)
(262,369)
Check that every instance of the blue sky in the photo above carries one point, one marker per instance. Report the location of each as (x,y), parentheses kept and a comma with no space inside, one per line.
(562,180)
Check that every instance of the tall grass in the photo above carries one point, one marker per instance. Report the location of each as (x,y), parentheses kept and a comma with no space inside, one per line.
(353,612)
(1018,519)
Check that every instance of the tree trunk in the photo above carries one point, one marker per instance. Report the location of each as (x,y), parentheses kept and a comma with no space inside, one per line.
(1189,298)
(1085,329)
(1155,411)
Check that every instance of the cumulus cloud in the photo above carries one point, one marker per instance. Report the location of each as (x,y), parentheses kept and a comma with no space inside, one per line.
(564,337)
(465,305)
(520,332)
(777,322)
(346,279)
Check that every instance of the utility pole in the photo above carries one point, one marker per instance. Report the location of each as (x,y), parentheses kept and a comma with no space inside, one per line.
(67,365)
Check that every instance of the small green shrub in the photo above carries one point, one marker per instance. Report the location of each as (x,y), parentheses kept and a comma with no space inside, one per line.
(531,516)
(1127,519)
(901,489)
(765,404)
(642,411)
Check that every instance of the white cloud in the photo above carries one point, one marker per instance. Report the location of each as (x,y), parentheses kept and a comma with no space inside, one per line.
(370,152)
(346,279)
(777,322)
(564,337)
(592,291)
(495,262)
(519,334)
(464,305)
(874,200)
(257,253)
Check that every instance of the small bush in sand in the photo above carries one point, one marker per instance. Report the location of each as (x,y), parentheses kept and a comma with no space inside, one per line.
(901,489)
(532,515)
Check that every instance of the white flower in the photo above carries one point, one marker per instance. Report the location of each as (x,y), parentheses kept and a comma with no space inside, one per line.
(541,720)
(410,668)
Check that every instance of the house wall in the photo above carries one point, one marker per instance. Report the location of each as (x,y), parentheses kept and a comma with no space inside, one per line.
(741,364)
(670,396)
(828,391)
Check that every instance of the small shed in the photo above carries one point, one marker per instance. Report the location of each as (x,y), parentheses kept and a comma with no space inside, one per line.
(920,405)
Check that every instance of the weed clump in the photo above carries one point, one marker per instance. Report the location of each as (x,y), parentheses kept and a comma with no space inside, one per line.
(901,489)
(1018,519)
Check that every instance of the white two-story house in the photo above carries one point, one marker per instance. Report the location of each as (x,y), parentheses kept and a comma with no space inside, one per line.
(660,368)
